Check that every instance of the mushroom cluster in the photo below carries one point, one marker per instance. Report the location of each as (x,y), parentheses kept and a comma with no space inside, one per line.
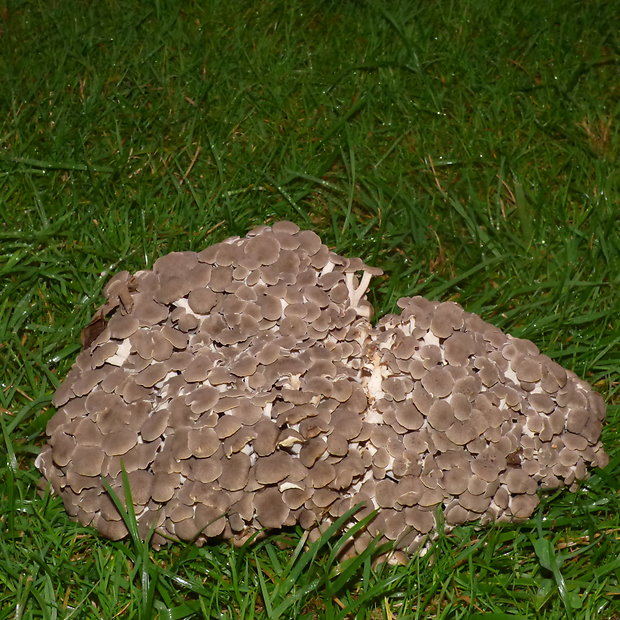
(243,388)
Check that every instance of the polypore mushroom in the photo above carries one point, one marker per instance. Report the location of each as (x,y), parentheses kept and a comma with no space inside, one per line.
(243,388)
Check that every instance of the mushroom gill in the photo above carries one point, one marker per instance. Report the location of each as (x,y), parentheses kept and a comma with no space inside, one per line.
(243,388)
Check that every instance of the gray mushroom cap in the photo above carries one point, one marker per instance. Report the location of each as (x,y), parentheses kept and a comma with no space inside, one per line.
(243,388)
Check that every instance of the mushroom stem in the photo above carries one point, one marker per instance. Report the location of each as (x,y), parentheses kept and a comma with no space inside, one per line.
(329,267)
(357,292)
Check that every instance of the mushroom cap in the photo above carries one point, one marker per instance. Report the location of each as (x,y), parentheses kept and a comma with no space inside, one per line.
(243,388)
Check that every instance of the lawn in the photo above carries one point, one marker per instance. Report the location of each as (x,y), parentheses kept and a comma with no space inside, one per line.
(468,148)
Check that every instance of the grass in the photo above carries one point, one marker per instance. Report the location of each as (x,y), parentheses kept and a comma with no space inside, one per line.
(469,148)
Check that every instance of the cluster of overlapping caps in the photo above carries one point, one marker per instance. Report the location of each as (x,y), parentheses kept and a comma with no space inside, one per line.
(243,388)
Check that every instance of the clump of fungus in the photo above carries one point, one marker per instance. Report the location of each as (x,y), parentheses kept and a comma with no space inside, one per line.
(243,388)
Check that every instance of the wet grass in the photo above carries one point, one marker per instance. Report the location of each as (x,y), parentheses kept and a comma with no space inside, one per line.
(469,148)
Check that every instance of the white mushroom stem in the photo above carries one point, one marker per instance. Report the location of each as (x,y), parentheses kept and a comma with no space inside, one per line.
(357,292)
(329,267)
(121,355)
(285,486)
(373,383)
